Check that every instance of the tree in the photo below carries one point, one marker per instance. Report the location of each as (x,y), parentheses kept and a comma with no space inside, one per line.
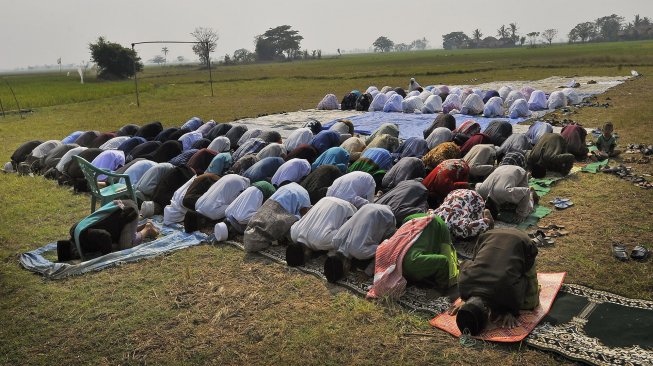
(243,56)
(583,31)
(165,54)
(533,37)
(402,47)
(113,60)
(209,40)
(638,21)
(477,36)
(609,26)
(455,40)
(549,35)
(158,59)
(180,59)
(420,44)
(522,40)
(277,41)
(502,32)
(383,44)
(513,32)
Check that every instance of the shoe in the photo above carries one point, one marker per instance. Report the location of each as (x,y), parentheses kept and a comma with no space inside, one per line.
(619,252)
(563,205)
(541,240)
(639,253)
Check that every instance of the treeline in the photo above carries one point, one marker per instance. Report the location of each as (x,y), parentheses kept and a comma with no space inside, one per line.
(605,29)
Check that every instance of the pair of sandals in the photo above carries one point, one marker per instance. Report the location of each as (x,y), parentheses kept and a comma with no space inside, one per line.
(561,203)
(540,239)
(639,252)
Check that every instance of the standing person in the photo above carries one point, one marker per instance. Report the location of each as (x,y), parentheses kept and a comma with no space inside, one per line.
(498,282)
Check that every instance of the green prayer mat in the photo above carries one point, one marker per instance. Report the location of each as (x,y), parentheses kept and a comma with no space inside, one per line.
(594,167)
(597,327)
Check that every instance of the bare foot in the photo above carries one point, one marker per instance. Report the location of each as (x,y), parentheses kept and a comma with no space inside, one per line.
(151,230)
(487,216)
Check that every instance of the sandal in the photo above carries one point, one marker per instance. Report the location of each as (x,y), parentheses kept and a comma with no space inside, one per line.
(619,252)
(559,200)
(541,240)
(551,226)
(639,253)
(563,205)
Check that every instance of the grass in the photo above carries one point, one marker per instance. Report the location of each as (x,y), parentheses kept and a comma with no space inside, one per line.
(212,304)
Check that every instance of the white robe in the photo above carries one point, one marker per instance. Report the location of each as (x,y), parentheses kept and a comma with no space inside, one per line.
(214,202)
(245,206)
(355,187)
(361,235)
(318,227)
(175,211)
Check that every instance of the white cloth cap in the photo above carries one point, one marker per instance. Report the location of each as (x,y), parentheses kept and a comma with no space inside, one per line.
(147,209)
(220,231)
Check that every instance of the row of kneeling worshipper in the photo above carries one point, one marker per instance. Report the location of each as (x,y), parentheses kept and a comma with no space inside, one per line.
(390,207)
(440,98)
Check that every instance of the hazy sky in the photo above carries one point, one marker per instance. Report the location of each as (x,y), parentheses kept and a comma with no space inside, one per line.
(37,32)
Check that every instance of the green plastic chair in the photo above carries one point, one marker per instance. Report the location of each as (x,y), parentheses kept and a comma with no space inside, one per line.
(108,193)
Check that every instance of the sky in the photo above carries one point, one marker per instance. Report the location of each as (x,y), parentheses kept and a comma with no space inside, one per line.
(38,32)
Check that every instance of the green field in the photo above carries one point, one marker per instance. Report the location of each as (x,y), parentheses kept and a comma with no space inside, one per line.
(213,304)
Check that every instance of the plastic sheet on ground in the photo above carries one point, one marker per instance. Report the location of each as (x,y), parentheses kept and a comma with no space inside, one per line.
(171,238)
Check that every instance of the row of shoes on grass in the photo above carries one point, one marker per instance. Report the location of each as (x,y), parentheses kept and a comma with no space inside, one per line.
(641,160)
(639,253)
(644,149)
(626,173)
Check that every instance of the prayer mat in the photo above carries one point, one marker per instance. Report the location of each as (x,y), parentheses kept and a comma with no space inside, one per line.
(425,300)
(550,284)
(597,327)
(594,167)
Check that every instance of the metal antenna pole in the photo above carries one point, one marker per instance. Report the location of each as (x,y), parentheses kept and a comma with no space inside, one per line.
(138,102)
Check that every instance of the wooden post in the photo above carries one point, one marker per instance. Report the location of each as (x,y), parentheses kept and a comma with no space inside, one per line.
(208,61)
(20,112)
(138,102)
(2,108)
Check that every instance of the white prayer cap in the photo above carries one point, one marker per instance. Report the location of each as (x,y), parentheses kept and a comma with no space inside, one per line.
(147,209)
(221,232)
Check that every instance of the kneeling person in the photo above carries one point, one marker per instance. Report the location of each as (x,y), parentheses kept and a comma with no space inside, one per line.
(500,280)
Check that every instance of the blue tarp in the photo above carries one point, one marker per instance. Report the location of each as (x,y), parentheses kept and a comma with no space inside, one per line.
(172,238)
(410,124)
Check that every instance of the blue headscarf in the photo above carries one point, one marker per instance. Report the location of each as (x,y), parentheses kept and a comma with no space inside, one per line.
(192,124)
(334,156)
(379,156)
(220,164)
(412,147)
(325,140)
(264,169)
(128,145)
(292,197)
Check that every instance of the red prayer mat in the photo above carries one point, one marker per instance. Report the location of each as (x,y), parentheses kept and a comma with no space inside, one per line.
(550,284)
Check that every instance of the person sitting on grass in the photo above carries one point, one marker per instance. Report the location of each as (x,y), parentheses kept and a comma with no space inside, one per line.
(314,231)
(498,282)
(606,143)
(273,220)
(356,241)
(111,228)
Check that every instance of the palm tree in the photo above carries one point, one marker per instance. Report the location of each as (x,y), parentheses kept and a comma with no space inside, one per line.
(165,54)
(513,32)
(477,35)
(502,32)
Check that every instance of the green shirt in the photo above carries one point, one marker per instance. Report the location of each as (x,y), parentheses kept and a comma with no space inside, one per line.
(432,257)
(606,145)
